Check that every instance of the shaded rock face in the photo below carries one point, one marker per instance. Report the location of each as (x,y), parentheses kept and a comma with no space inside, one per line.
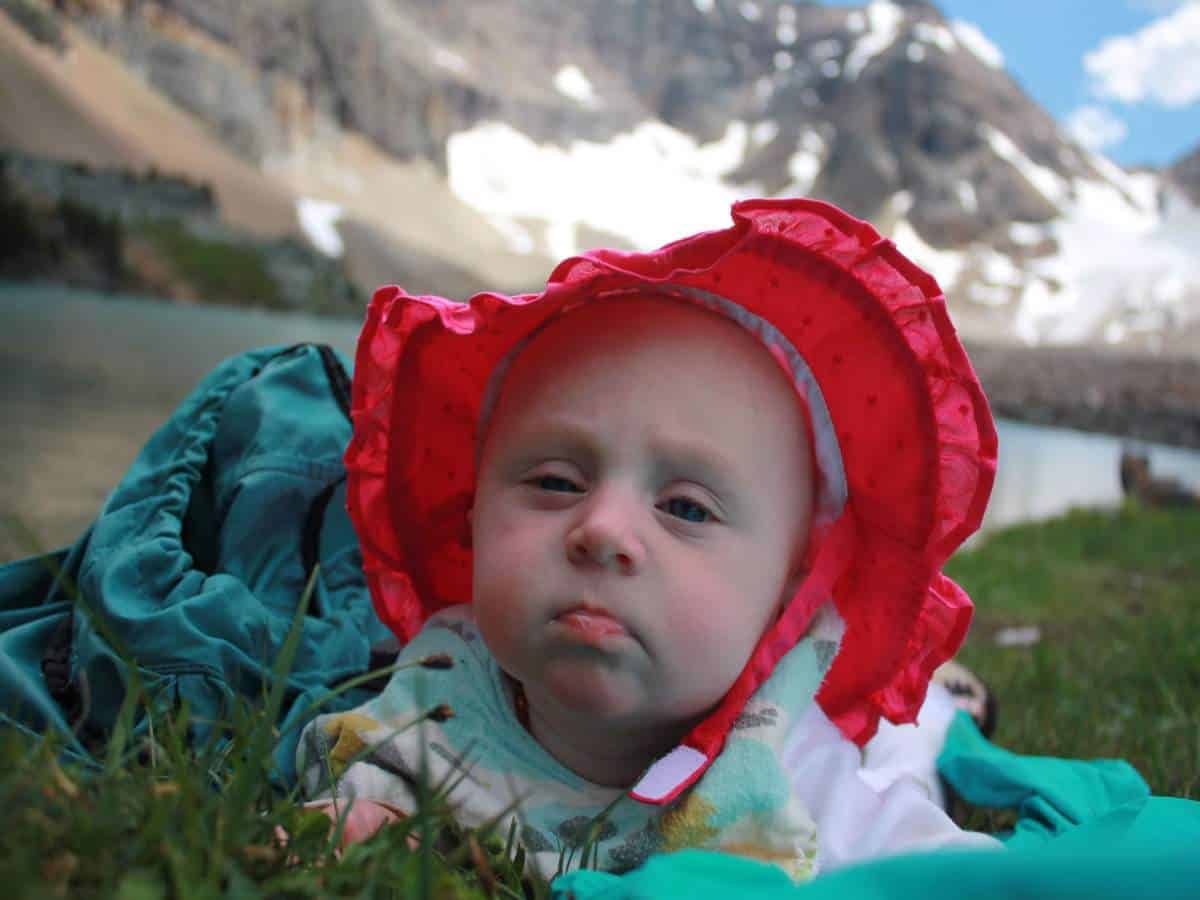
(903,116)
(110,229)
(110,193)
(927,117)
(1152,399)
(1185,173)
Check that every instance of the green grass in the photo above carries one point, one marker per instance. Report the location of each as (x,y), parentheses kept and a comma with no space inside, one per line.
(162,820)
(220,271)
(156,816)
(1116,673)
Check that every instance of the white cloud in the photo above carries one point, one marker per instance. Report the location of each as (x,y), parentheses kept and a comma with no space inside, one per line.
(1156,63)
(1096,128)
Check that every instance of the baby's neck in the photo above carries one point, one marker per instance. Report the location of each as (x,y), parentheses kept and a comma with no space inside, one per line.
(598,751)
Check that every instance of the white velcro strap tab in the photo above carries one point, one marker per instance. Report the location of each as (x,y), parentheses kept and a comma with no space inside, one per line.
(669,775)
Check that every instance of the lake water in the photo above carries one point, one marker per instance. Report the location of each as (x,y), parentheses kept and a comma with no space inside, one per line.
(86,379)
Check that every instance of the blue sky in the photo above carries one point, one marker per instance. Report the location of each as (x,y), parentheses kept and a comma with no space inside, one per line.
(1123,75)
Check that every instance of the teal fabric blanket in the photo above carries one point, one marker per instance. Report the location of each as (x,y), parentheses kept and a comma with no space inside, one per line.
(196,564)
(1086,830)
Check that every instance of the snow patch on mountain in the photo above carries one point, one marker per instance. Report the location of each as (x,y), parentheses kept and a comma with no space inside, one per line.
(965,191)
(1048,182)
(1027,234)
(764,132)
(946,266)
(572,83)
(647,186)
(805,164)
(883,21)
(938,35)
(450,60)
(1142,189)
(998,279)
(1122,267)
(1117,264)
(975,41)
(950,38)
(318,220)
(750,11)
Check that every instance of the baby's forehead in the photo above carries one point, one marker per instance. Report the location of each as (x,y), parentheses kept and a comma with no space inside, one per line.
(647,344)
(622,328)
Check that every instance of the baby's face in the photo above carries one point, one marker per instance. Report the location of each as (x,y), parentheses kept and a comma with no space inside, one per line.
(642,501)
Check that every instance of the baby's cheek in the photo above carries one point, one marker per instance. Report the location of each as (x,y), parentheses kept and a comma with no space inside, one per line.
(710,645)
(691,637)
(504,610)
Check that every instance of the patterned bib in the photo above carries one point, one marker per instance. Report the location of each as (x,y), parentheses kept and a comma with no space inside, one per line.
(497,773)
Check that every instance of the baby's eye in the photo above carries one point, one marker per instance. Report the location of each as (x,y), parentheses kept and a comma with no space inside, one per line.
(556,483)
(688,510)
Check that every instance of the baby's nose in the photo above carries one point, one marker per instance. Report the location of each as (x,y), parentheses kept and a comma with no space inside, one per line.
(606,535)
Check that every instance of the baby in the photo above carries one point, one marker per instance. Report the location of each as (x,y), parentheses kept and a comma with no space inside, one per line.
(698,500)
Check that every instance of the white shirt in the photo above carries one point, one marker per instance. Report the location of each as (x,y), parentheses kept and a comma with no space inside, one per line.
(879,801)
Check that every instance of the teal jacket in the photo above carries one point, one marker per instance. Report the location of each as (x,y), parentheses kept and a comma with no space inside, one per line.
(195,566)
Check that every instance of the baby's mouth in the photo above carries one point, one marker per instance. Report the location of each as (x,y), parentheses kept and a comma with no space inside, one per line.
(590,623)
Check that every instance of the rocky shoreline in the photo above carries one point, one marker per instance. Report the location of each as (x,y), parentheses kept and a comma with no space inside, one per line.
(1136,396)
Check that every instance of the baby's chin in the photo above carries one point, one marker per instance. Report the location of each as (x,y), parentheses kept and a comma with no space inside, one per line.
(593,690)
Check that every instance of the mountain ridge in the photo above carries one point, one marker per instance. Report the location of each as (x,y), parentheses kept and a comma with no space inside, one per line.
(540,127)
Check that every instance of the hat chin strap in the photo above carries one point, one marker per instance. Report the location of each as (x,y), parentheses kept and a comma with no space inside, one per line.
(679,769)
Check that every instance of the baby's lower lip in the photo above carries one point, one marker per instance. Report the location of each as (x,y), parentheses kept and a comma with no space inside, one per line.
(592,623)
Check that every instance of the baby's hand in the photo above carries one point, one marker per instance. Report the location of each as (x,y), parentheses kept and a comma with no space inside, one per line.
(364,818)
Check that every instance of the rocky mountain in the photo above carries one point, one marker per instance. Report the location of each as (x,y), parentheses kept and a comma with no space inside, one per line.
(1184,173)
(460,144)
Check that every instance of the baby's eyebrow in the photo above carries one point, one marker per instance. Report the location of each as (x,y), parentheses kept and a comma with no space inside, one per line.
(568,435)
(697,461)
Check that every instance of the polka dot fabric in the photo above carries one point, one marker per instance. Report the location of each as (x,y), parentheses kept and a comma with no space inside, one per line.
(913,427)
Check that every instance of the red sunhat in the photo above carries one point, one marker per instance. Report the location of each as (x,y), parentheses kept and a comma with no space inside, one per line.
(901,425)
